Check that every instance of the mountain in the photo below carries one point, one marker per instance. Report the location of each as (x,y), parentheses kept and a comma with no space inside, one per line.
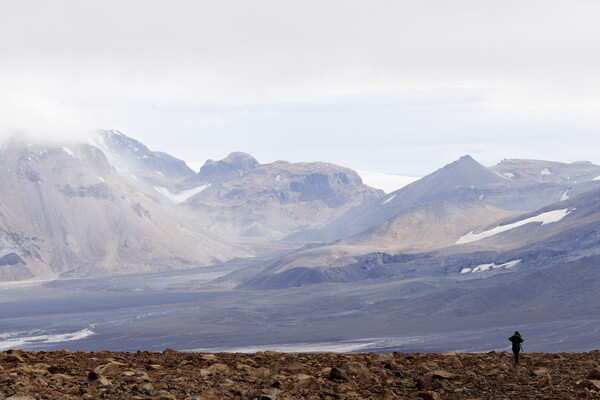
(237,197)
(240,198)
(539,171)
(531,185)
(66,212)
(464,179)
(129,154)
(430,225)
(233,166)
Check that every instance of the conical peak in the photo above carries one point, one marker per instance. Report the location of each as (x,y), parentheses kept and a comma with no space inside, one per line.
(467,159)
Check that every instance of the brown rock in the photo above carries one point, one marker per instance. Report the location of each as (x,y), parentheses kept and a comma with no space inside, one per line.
(444,375)
(593,374)
(389,395)
(427,383)
(218,368)
(20,397)
(428,395)
(589,384)
(261,373)
(284,376)
(98,379)
(148,388)
(14,358)
(542,371)
(57,369)
(346,387)
(243,367)
(304,381)
(163,395)
(336,374)
(209,357)
(112,368)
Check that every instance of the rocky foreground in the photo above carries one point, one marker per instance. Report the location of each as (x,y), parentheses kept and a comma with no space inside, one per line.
(270,375)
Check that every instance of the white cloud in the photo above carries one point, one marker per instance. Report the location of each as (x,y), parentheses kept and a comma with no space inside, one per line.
(416,83)
(29,114)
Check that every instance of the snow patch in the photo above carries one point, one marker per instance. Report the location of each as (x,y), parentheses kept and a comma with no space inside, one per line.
(68,151)
(101,179)
(596,178)
(544,218)
(19,340)
(486,267)
(181,196)
(565,196)
(509,175)
(391,198)
(545,171)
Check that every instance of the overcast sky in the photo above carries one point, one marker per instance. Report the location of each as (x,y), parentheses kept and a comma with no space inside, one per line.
(390,86)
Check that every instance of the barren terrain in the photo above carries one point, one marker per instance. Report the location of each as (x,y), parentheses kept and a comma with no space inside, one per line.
(272,375)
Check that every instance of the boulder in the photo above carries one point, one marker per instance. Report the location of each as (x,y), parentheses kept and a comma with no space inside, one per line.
(589,384)
(111,368)
(218,368)
(429,395)
(336,374)
(542,371)
(593,374)
(439,374)
(307,382)
(209,357)
(98,379)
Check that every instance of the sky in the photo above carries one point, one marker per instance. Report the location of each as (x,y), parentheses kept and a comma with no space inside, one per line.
(400,87)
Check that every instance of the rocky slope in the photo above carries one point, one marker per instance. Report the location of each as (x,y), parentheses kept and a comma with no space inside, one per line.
(243,199)
(270,375)
(130,154)
(67,212)
(461,208)
(538,171)
(237,197)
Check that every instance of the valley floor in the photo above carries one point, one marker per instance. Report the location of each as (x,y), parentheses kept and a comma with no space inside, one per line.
(272,375)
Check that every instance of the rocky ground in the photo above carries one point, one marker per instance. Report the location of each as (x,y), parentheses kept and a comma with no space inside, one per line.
(271,375)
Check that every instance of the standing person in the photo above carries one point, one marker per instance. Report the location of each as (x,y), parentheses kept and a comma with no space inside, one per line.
(516,340)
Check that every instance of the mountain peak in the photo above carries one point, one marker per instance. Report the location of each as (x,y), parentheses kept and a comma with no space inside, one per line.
(131,153)
(242,161)
(467,157)
(232,166)
(465,172)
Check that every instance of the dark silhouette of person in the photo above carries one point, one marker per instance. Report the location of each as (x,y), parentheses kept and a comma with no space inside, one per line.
(516,340)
